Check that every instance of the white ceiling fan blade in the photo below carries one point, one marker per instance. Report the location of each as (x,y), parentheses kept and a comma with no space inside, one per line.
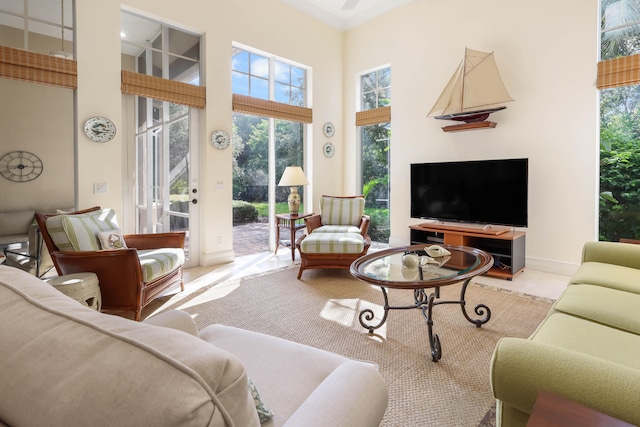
(350,4)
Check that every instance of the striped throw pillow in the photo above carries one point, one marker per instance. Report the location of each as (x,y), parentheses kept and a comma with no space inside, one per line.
(341,211)
(82,229)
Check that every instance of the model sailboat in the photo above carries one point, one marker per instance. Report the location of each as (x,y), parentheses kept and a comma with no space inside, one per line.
(473,92)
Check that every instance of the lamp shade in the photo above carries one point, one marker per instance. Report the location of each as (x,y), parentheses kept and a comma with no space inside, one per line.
(292,177)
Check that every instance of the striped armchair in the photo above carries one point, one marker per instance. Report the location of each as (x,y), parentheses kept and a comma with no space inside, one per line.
(337,236)
(132,269)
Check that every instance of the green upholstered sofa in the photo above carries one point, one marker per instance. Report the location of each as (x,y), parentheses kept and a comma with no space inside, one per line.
(588,347)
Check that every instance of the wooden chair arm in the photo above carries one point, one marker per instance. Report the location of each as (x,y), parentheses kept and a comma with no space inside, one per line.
(119,272)
(154,241)
(312,222)
(364,225)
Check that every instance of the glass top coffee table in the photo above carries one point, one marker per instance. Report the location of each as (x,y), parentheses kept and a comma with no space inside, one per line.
(409,267)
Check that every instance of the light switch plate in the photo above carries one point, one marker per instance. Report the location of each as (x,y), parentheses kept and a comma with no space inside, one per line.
(100,188)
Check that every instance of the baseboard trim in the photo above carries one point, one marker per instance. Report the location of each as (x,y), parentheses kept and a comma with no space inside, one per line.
(217,258)
(548,266)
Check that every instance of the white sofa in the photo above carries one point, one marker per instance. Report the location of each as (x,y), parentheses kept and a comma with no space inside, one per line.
(63,364)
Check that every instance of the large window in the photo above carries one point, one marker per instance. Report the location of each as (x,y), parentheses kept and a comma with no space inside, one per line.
(619,121)
(270,113)
(374,120)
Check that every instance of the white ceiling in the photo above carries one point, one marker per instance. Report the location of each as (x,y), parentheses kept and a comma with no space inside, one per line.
(332,12)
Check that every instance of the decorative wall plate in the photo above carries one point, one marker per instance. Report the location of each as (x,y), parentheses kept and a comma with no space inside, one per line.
(329,129)
(99,129)
(20,166)
(329,149)
(220,139)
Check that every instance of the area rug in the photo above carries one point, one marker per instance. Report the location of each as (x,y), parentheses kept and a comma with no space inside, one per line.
(322,310)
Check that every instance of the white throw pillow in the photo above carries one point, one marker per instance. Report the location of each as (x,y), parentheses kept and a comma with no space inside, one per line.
(111,239)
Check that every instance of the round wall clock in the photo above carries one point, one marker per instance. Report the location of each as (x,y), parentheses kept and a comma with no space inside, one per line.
(220,139)
(20,166)
(329,149)
(99,129)
(329,129)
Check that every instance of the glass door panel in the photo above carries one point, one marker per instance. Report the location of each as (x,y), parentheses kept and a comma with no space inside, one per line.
(179,172)
(251,179)
(289,152)
(165,177)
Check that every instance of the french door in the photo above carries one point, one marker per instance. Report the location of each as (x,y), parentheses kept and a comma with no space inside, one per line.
(166,173)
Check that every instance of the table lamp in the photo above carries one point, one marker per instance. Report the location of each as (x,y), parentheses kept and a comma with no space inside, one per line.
(293,177)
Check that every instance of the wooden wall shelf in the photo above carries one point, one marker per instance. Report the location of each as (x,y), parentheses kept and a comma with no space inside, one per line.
(469,126)
(506,246)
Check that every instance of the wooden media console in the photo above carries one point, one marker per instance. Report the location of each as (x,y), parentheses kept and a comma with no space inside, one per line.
(507,247)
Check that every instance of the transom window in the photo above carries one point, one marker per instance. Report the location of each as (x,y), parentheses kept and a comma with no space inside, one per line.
(266,77)
(619,28)
(46,26)
(376,89)
(160,50)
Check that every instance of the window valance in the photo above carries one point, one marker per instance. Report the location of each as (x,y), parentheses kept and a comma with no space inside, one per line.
(163,89)
(19,64)
(623,71)
(266,108)
(373,116)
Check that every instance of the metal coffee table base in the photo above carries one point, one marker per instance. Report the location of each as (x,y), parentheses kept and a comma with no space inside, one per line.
(426,303)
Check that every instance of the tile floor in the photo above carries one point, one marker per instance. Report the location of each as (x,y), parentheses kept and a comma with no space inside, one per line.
(530,281)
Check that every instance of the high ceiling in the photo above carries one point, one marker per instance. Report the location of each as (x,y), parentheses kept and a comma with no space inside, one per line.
(345,14)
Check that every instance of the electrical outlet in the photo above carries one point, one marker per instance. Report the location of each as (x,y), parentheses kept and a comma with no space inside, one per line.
(220,186)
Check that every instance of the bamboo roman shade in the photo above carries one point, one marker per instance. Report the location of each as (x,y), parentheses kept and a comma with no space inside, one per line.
(623,71)
(18,64)
(266,108)
(374,116)
(163,89)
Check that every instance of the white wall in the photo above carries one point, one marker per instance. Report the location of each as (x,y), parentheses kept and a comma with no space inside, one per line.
(546,52)
(39,119)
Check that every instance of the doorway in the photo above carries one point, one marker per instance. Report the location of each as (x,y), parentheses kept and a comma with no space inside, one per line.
(166,183)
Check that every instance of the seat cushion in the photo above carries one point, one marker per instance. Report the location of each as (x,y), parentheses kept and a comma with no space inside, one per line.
(332,243)
(158,262)
(341,210)
(610,307)
(590,338)
(79,232)
(313,386)
(337,229)
(608,275)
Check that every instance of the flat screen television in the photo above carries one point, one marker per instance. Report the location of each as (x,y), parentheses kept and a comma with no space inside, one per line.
(493,192)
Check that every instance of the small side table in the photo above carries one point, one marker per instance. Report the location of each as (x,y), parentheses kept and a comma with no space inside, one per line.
(292,223)
(82,287)
(555,411)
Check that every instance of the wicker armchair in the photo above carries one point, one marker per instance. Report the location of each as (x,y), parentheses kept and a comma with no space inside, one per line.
(337,236)
(126,283)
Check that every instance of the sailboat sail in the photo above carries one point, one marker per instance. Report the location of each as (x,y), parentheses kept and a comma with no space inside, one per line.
(475,86)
